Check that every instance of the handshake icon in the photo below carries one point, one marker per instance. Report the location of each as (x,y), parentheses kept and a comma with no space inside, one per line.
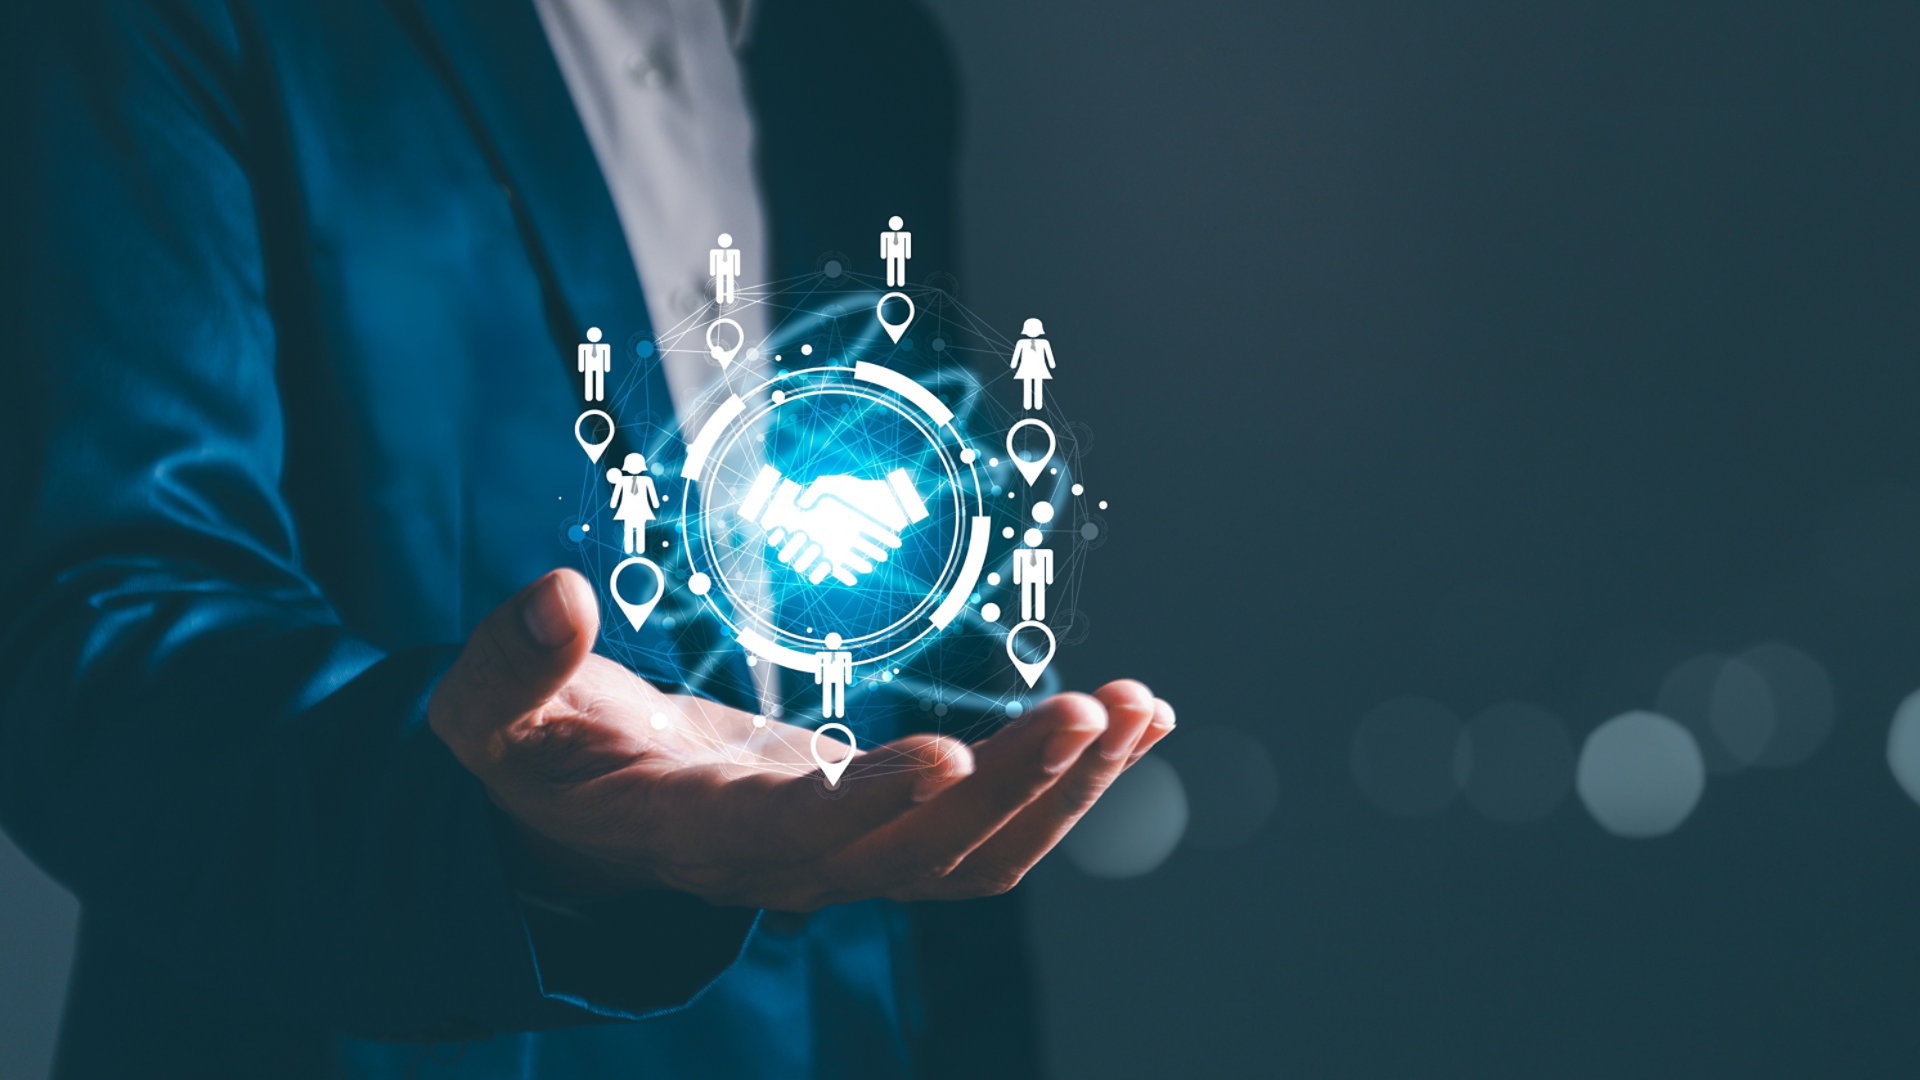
(837,525)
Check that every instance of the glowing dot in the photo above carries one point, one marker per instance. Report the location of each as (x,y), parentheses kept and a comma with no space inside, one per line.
(1079,489)
(1013,708)
(752,660)
(1103,504)
(779,397)
(990,612)
(993,461)
(643,349)
(576,534)
(1043,513)
(664,543)
(806,350)
(833,268)
(1055,471)
(993,578)
(1007,532)
(699,583)
(659,721)
(759,721)
(586,528)
(1033,538)
(940,709)
(968,455)
(1011,494)
(939,344)
(753,354)
(1089,531)
(777,358)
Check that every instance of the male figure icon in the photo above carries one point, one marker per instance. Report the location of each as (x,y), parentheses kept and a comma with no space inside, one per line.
(896,246)
(1033,572)
(594,359)
(833,671)
(723,263)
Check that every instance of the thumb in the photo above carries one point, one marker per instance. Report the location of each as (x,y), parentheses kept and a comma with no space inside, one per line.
(519,656)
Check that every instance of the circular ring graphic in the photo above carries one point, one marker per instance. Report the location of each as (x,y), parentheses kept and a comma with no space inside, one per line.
(833,508)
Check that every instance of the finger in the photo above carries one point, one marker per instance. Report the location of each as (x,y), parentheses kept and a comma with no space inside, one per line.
(794,544)
(1162,726)
(516,659)
(999,863)
(1012,768)
(821,569)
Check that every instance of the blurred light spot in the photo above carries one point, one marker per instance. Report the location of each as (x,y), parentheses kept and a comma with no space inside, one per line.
(1640,775)
(1903,746)
(1231,785)
(1802,703)
(1698,694)
(1518,762)
(1770,706)
(1403,756)
(1134,826)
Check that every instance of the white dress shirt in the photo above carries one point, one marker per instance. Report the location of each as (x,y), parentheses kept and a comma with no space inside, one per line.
(660,92)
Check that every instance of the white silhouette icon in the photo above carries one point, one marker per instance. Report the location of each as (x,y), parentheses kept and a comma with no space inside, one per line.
(593,449)
(1033,362)
(833,671)
(595,359)
(838,525)
(723,263)
(724,354)
(634,500)
(1033,572)
(896,247)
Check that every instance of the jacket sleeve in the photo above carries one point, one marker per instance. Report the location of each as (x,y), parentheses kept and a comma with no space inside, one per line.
(189,738)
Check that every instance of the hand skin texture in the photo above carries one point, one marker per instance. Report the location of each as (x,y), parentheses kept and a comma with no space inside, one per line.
(562,740)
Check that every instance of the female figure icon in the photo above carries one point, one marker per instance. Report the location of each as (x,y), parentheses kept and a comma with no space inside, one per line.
(634,500)
(1033,362)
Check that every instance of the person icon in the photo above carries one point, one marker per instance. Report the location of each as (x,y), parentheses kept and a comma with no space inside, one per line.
(833,670)
(896,247)
(1032,362)
(1033,572)
(634,501)
(723,263)
(595,359)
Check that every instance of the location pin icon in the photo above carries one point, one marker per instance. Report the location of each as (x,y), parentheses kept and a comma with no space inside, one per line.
(1030,469)
(1030,672)
(593,449)
(721,353)
(894,330)
(637,613)
(833,769)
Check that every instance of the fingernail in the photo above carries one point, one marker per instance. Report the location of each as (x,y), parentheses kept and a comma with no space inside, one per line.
(547,616)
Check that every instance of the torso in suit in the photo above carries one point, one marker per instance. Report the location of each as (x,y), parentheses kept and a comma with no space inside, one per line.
(295,294)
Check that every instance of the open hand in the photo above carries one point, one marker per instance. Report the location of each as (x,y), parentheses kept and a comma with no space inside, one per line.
(565,744)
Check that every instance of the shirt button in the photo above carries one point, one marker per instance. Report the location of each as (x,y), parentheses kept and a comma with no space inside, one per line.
(651,70)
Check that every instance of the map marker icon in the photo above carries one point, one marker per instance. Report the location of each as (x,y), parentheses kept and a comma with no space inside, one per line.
(1030,672)
(1031,469)
(833,769)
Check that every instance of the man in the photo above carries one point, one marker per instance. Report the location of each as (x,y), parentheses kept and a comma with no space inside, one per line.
(340,793)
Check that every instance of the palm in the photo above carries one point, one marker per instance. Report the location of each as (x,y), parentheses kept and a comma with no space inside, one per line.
(652,789)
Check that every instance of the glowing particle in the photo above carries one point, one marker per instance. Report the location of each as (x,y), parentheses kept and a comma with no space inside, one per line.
(806,350)
(659,721)
(1007,532)
(1103,504)
(1079,489)
(990,612)
(968,455)
(1043,512)
(699,583)
(1033,537)
(993,578)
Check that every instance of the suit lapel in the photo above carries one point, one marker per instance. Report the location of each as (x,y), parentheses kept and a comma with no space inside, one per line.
(494,56)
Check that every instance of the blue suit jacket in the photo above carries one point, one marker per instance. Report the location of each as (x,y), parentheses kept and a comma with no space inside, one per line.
(293,292)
